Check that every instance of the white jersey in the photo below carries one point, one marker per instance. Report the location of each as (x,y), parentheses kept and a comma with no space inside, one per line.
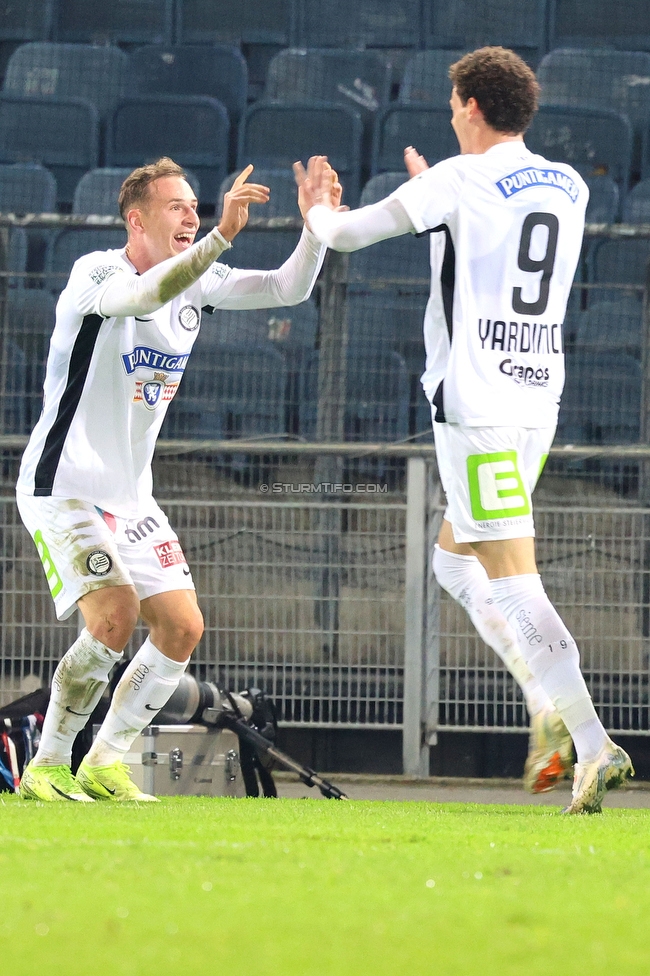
(109,381)
(510,229)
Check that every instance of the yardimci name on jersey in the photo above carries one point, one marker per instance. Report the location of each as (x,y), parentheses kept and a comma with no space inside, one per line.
(534,337)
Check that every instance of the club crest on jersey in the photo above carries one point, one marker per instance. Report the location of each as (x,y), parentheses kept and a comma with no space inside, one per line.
(145,356)
(189,318)
(523,179)
(154,391)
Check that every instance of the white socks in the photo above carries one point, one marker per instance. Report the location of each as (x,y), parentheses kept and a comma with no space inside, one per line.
(551,654)
(147,684)
(77,686)
(465,579)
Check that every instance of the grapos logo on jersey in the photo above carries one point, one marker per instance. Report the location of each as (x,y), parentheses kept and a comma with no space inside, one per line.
(145,356)
(525,375)
(523,179)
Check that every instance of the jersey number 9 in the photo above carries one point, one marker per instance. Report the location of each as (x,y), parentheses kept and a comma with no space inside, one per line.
(544,264)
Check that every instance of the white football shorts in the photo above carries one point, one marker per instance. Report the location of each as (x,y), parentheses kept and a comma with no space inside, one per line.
(83,548)
(488,475)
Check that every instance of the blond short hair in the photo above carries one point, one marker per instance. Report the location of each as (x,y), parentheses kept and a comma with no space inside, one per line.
(135,189)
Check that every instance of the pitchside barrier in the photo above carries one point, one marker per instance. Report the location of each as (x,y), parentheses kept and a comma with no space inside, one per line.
(297,465)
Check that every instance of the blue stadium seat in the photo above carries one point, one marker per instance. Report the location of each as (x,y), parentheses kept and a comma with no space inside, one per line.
(636,209)
(469,24)
(427,128)
(69,244)
(253,22)
(235,390)
(594,141)
(619,262)
(27,188)
(600,23)
(100,75)
(365,23)
(97,190)
(12,393)
(17,257)
(358,79)
(601,403)
(260,248)
(377,397)
(29,20)
(116,22)
(604,196)
(616,324)
(192,129)
(426,78)
(218,71)
(61,134)
(382,185)
(618,80)
(273,136)
(30,321)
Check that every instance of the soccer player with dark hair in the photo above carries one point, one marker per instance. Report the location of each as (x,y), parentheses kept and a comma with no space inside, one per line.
(125,326)
(506,231)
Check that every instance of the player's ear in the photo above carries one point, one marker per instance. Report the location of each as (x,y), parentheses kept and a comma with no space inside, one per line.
(134,220)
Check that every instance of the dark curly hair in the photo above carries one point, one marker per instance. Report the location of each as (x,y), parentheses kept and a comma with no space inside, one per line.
(504,87)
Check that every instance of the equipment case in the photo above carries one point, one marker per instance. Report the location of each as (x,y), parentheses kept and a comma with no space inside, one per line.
(186,760)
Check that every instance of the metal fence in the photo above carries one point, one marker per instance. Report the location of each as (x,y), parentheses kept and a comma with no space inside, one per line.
(322,594)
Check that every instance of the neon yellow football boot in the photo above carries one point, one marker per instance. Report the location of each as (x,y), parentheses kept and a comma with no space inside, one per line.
(51,784)
(111,783)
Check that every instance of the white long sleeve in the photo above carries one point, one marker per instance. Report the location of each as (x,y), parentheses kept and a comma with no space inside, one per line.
(127,294)
(289,284)
(354,229)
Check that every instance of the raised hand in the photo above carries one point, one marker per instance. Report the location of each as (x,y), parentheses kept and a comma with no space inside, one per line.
(318,184)
(414,162)
(235,203)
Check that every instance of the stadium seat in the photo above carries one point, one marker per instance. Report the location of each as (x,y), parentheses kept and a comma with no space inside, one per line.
(615,325)
(469,24)
(427,128)
(29,20)
(71,243)
(426,78)
(365,23)
(234,391)
(273,136)
(27,188)
(377,397)
(603,206)
(594,141)
(61,134)
(100,75)
(618,80)
(260,248)
(619,262)
(116,22)
(96,192)
(358,79)
(218,71)
(600,23)
(12,392)
(17,257)
(253,22)
(601,403)
(30,321)
(192,129)
(636,209)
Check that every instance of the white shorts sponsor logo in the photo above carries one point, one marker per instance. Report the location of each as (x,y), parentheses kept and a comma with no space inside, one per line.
(170,554)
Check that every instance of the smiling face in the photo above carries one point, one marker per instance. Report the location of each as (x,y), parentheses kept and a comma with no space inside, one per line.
(165,224)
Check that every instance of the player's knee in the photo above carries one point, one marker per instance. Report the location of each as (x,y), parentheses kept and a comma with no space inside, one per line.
(184,633)
(111,614)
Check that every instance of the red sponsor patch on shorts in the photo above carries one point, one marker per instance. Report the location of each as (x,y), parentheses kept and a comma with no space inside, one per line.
(170,554)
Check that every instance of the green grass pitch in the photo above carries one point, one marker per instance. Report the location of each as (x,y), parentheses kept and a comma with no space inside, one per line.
(303,888)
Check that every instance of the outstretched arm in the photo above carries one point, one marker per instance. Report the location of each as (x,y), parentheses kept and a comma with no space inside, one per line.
(355,229)
(127,294)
